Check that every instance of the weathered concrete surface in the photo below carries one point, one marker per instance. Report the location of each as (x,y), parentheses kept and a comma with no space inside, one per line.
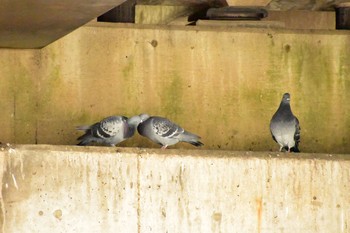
(241,23)
(96,189)
(63,189)
(221,83)
(159,14)
(20,75)
(36,23)
(261,3)
(311,19)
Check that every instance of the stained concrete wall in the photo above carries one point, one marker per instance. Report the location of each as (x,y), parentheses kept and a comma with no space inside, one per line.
(222,83)
(74,189)
(20,77)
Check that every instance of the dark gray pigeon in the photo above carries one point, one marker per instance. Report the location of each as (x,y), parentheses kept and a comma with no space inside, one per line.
(284,126)
(166,133)
(111,130)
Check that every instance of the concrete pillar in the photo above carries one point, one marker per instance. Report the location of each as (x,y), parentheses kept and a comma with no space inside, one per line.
(343,16)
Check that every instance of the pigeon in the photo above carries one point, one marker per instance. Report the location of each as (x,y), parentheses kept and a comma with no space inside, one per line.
(166,133)
(284,126)
(111,130)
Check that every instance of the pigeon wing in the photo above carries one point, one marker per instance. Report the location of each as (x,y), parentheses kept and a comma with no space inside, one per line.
(165,128)
(109,127)
(297,131)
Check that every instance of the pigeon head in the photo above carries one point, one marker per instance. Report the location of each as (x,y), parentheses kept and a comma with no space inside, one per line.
(286,98)
(143,117)
(136,120)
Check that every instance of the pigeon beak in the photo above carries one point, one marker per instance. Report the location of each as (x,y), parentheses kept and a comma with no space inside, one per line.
(288,99)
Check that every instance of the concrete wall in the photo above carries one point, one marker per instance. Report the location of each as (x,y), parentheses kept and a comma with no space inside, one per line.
(74,189)
(20,76)
(221,83)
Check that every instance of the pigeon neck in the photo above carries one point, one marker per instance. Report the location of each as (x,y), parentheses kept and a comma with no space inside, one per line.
(285,107)
(133,124)
(132,128)
(133,121)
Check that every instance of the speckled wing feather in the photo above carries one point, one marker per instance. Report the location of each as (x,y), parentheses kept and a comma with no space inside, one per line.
(165,128)
(166,133)
(110,130)
(110,127)
(296,136)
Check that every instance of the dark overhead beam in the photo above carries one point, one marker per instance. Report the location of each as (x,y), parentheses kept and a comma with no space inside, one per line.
(37,23)
(123,13)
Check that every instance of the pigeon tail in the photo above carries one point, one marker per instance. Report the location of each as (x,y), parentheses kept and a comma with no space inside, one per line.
(85,139)
(196,143)
(295,148)
(82,143)
(191,138)
(83,127)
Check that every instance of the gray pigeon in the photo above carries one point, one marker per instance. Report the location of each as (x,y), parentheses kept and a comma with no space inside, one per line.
(284,126)
(166,133)
(111,130)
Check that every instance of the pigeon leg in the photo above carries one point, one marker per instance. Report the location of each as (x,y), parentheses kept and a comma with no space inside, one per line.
(281,148)
(164,147)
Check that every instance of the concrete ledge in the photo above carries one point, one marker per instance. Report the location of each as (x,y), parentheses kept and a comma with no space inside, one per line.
(96,189)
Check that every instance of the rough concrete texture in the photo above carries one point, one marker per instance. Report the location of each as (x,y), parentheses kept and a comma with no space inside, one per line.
(91,189)
(261,3)
(311,19)
(20,76)
(221,83)
(36,24)
(152,14)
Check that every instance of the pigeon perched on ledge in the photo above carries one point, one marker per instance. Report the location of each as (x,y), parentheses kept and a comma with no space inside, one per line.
(166,133)
(111,130)
(284,126)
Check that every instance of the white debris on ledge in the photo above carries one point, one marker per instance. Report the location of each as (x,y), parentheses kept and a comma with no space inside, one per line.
(10,148)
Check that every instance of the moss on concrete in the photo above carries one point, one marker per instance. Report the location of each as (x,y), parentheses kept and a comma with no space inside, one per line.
(171,96)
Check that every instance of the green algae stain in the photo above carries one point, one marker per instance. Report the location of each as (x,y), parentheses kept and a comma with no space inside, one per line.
(84,117)
(52,82)
(130,83)
(313,66)
(275,70)
(128,69)
(172,95)
(297,60)
(25,96)
(344,64)
(50,89)
(295,63)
